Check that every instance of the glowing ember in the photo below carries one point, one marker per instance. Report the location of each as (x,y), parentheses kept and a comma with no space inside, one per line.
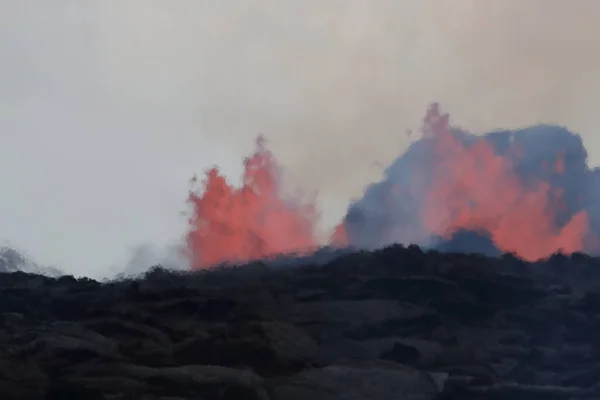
(511,187)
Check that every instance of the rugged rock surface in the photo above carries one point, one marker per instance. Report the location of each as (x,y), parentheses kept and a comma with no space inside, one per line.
(391,324)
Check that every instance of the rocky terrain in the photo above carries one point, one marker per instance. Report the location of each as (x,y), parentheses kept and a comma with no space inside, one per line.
(397,323)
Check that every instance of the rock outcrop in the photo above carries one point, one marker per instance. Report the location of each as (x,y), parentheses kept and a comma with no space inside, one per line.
(397,323)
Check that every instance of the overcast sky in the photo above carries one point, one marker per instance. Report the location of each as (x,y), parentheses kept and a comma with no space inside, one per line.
(108,107)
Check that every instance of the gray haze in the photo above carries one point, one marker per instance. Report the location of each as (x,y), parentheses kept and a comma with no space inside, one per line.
(107,107)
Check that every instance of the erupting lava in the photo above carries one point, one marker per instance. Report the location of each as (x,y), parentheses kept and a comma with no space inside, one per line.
(252,222)
(472,187)
(525,191)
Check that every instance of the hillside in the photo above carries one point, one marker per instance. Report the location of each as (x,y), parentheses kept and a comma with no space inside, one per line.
(397,323)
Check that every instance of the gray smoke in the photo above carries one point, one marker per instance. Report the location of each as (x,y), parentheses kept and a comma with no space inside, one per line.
(12,260)
(135,96)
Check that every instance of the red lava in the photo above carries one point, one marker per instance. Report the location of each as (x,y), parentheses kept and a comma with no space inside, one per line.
(471,188)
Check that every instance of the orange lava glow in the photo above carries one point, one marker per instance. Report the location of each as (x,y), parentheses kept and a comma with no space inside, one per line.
(468,186)
(252,222)
(473,188)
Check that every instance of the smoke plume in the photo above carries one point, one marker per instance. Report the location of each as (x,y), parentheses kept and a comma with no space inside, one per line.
(167,88)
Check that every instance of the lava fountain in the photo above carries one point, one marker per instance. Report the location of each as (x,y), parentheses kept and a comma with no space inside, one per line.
(529,191)
(254,221)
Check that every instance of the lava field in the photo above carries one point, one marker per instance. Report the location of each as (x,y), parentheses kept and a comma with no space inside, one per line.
(397,323)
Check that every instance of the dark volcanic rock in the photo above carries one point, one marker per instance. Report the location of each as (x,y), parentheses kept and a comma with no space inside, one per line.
(390,324)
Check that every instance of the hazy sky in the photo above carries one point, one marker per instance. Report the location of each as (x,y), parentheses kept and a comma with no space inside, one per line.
(108,107)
